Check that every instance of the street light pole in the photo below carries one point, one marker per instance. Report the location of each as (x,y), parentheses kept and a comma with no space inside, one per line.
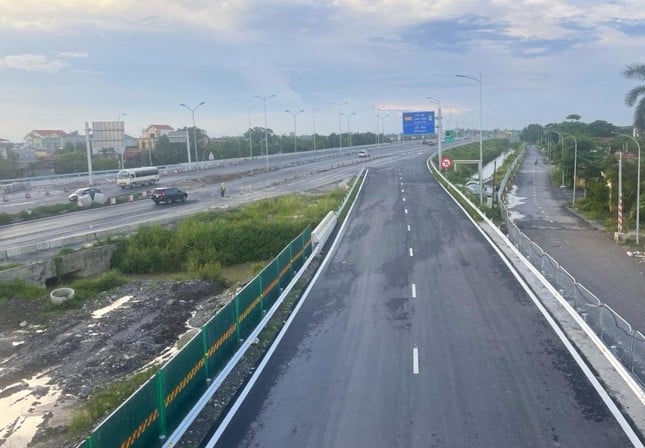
(340,129)
(378,120)
(250,133)
(295,135)
(266,133)
(561,156)
(383,126)
(440,127)
(575,165)
(314,117)
(481,133)
(118,118)
(192,111)
(638,186)
(347,117)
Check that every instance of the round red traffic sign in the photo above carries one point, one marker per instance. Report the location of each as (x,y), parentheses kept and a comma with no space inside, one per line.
(446,163)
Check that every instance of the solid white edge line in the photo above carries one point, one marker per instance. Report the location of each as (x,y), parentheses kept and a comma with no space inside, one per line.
(415,361)
(414,291)
(247,388)
(609,402)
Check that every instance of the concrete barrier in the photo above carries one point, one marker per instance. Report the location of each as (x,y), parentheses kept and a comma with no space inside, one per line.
(322,231)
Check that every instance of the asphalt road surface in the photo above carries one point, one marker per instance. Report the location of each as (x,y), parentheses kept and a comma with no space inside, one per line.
(541,211)
(417,335)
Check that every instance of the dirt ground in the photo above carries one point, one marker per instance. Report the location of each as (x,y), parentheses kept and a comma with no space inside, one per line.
(49,366)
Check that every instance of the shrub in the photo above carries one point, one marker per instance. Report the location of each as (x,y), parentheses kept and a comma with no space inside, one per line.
(89,288)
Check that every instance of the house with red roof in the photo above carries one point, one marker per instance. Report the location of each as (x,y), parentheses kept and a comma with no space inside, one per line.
(151,134)
(46,139)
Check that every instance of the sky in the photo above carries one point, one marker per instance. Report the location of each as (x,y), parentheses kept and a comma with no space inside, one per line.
(65,62)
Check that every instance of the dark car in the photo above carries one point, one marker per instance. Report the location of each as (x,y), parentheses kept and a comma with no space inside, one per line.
(168,195)
(88,191)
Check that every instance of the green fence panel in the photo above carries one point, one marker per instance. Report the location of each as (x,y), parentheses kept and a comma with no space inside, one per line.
(184,381)
(138,422)
(133,425)
(269,277)
(250,310)
(284,263)
(297,253)
(220,338)
(308,242)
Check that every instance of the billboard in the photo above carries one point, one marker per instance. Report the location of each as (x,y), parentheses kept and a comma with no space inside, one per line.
(108,135)
(416,123)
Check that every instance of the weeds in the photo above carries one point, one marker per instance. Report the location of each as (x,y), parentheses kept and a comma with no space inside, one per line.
(105,401)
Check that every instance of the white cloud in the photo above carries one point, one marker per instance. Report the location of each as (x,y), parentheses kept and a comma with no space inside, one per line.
(72,54)
(32,63)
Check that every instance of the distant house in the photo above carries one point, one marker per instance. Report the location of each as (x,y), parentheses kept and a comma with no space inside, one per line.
(151,134)
(46,139)
(73,138)
(5,147)
(26,153)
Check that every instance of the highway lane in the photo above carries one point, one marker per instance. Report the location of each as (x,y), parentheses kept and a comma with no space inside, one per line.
(540,210)
(416,335)
(295,172)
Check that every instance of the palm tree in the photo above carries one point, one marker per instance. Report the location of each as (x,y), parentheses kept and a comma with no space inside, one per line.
(636,71)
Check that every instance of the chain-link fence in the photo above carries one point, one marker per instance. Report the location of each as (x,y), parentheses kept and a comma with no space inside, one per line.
(626,344)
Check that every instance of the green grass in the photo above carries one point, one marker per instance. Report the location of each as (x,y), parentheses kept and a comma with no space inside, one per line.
(105,401)
(18,289)
(205,243)
(7,266)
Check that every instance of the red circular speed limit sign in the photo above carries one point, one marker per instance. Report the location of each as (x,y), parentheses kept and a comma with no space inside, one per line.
(446,163)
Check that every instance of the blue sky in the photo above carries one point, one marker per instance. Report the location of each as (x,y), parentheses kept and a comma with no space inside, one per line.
(64,62)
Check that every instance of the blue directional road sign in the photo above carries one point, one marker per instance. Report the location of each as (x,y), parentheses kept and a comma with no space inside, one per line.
(415,123)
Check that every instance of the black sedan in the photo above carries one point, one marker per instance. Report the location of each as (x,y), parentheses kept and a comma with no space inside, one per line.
(168,195)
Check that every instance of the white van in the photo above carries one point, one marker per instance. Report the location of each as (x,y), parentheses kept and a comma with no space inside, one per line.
(137,176)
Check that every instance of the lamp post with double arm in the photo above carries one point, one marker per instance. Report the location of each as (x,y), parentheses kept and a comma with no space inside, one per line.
(481,133)
(266,133)
(340,129)
(295,129)
(192,111)
(439,125)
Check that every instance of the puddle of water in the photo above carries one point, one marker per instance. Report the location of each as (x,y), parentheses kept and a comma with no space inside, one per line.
(111,307)
(512,201)
(487,170)
(22,411)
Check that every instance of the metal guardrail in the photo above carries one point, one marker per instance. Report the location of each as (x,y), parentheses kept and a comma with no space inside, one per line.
(627,344)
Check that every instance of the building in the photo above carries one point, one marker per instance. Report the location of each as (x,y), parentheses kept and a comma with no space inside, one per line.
(46,139)
(151,134)
(5,147)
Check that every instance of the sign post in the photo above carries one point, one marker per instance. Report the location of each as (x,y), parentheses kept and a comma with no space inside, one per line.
(418,123)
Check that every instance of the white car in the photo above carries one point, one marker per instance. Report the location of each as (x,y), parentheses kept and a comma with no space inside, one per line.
(88,191)
(362,153)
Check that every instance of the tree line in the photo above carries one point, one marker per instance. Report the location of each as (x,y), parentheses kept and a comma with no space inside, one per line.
(599,146)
